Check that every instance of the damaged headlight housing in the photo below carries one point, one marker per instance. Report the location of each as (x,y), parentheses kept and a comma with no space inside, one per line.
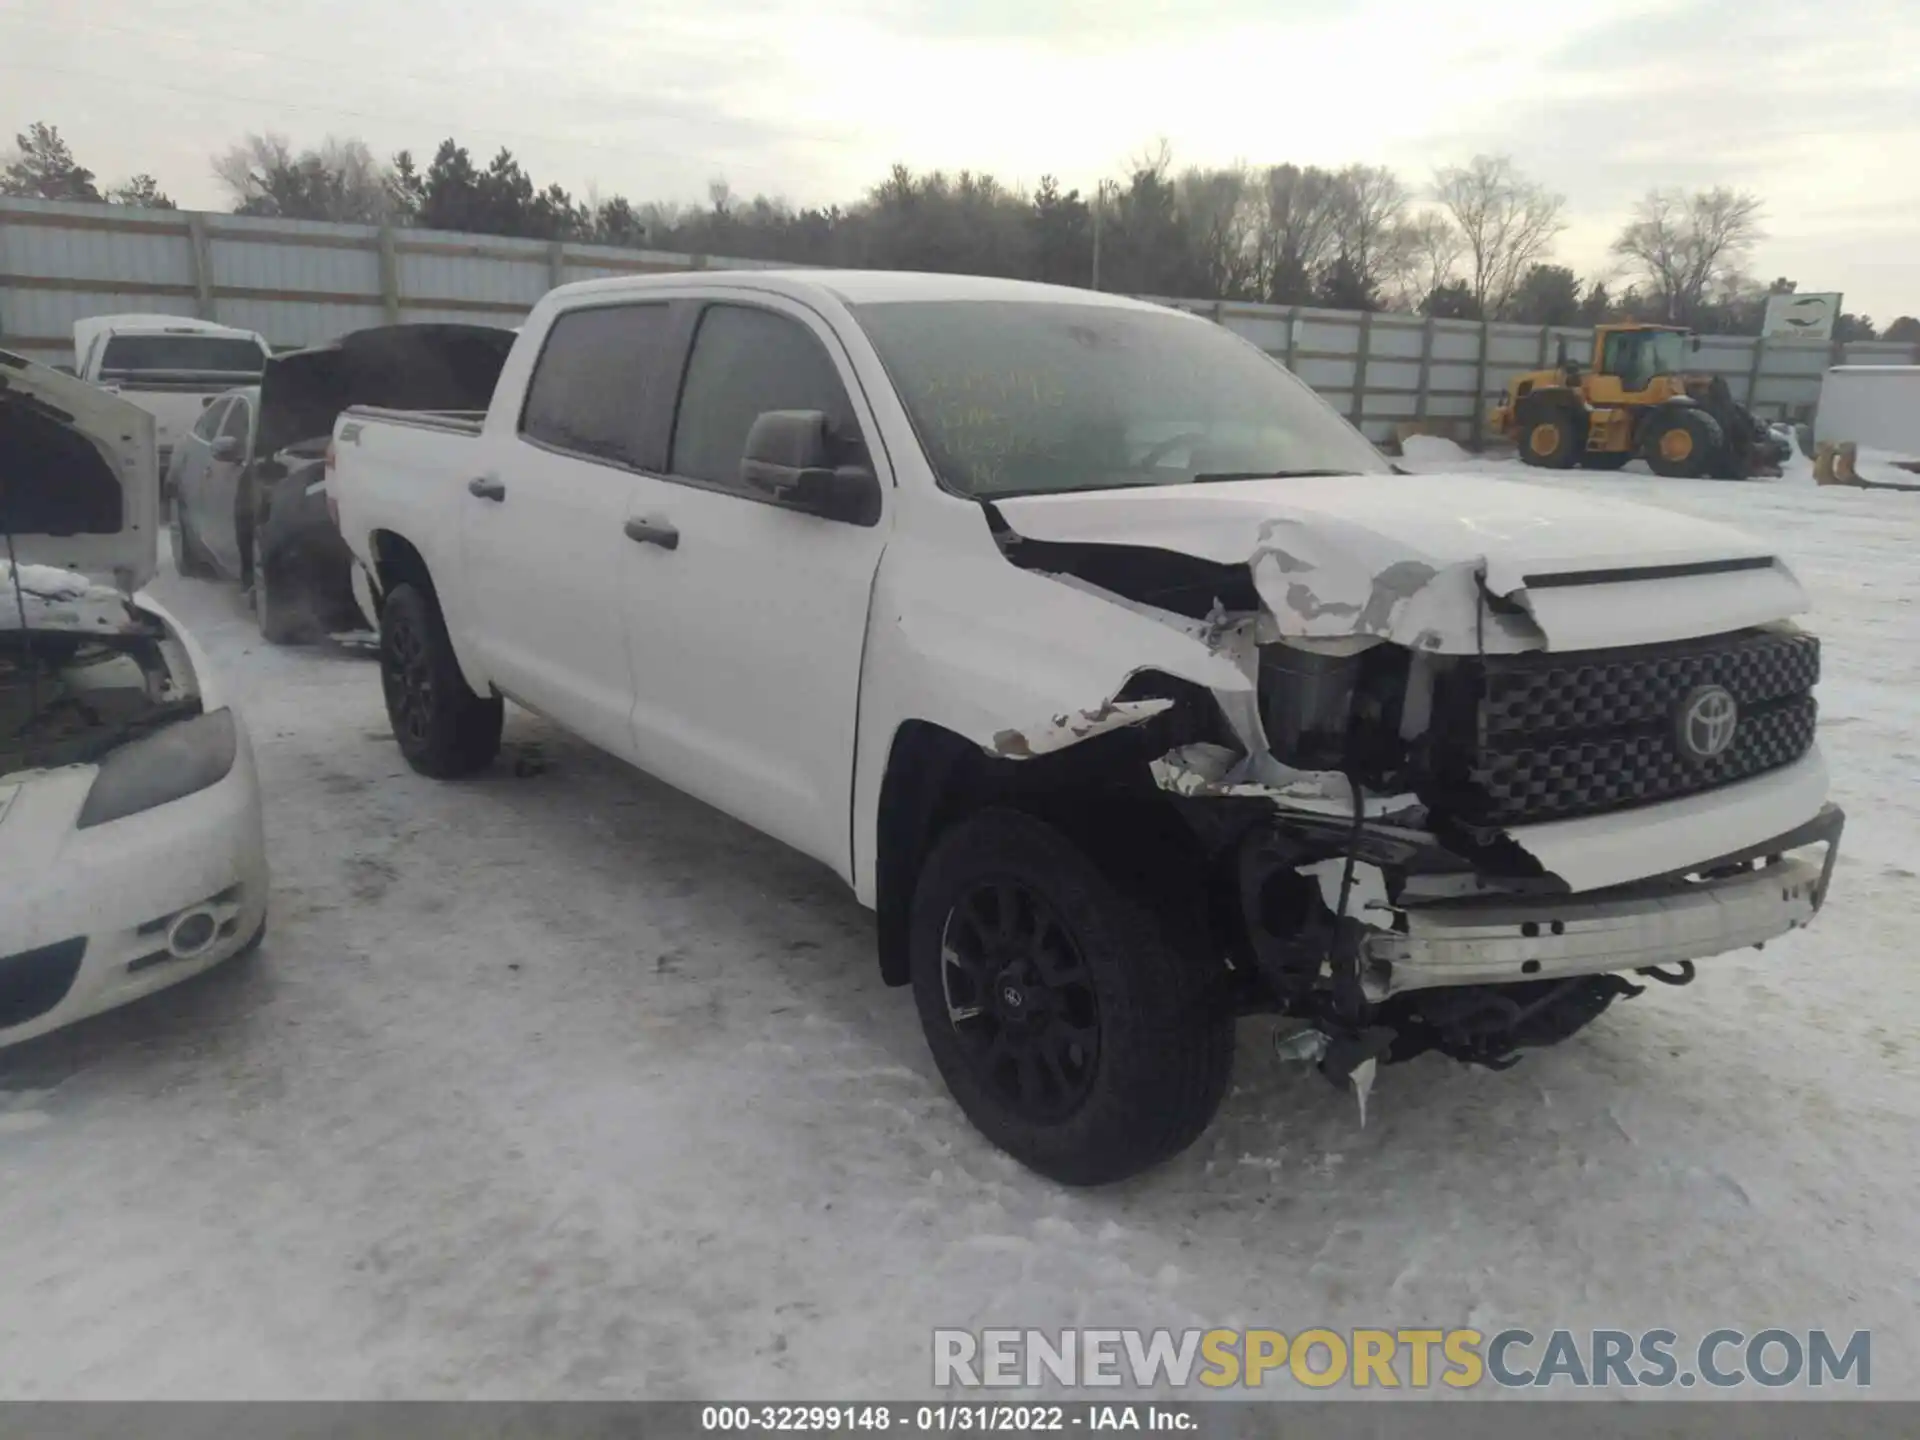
(1337,709)
(186,757)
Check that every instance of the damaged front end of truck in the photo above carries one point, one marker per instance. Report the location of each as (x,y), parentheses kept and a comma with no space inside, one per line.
(1470,780)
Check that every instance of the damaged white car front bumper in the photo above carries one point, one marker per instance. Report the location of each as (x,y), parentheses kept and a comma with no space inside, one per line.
(97,917)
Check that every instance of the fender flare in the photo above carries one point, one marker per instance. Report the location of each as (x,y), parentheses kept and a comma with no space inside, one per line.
(1549,397)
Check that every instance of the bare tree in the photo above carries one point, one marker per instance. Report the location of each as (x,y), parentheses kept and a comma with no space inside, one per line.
(335,180)
(1691,247)
(1368,220)
(1506,222)
(1295,231)
(1218,209)
(1427,251)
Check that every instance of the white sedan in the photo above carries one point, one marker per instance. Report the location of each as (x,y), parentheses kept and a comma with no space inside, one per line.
(131,847)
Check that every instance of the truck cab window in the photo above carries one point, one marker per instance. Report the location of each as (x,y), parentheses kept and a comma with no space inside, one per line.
(747,361)
(591,379)
(234,427)
(208,425)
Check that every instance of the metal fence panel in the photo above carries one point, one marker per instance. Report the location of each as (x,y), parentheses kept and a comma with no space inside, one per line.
(303,282)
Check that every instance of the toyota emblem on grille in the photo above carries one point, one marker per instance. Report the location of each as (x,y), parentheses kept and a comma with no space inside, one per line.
(1708,717)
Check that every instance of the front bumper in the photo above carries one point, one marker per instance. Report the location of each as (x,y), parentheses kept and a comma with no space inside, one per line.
(121,893)
(1651,922)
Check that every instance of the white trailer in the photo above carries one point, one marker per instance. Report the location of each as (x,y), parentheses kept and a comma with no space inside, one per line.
(1875,406)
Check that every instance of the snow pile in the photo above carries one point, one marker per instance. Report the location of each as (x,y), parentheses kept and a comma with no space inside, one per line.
(1433,454)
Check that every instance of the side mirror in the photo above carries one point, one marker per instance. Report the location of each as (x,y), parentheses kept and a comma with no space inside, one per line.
(226,450)
(1695,346)
(269,471)
(794,458)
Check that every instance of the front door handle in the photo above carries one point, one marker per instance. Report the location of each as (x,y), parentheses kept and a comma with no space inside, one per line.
(654,532)
(487,488)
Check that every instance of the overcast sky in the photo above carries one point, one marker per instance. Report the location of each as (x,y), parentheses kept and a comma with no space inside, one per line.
(1815,106)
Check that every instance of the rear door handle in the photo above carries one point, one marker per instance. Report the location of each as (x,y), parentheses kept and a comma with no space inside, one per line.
(487,488)
(654,532)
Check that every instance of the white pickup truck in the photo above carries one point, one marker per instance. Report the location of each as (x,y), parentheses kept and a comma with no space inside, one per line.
(1130,686)
(171,366)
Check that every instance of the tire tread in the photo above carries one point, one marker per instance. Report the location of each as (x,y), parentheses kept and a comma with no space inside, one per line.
(465,729)
(1178,1040)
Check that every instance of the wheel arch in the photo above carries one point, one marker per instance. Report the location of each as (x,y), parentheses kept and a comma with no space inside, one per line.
(1543,399)
(398,561)
(1098,793)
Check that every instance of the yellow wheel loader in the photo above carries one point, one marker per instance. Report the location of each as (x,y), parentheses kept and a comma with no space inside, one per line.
(1636,401)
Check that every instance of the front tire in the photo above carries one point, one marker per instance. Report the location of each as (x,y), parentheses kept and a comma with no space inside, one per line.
(1068,1028)
(1683,445)
(444,729)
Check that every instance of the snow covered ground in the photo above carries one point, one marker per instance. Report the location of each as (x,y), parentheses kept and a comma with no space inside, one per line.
(558,1084)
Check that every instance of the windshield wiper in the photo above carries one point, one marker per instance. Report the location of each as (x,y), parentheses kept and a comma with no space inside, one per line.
(1220,476)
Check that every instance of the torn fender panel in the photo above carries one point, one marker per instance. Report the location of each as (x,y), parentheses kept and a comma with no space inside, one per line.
(1604,850)
(960,639)
(1214,772)
(1070,729)
(989,652)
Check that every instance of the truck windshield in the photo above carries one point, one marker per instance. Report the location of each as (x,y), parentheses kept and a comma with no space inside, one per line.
(1019,398)
(128,355)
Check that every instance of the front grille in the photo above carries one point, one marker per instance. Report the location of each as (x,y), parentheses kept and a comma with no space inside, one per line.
(1547,737)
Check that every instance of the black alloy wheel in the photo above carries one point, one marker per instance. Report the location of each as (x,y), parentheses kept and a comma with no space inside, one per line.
(406,672)
(1021,999)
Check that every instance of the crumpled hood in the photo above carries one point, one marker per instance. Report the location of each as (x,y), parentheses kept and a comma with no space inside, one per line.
(1517,527)
(1402,557)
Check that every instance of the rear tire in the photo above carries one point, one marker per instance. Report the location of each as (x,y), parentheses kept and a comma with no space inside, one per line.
(1551,436)
(1068,1028)
(444,729)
